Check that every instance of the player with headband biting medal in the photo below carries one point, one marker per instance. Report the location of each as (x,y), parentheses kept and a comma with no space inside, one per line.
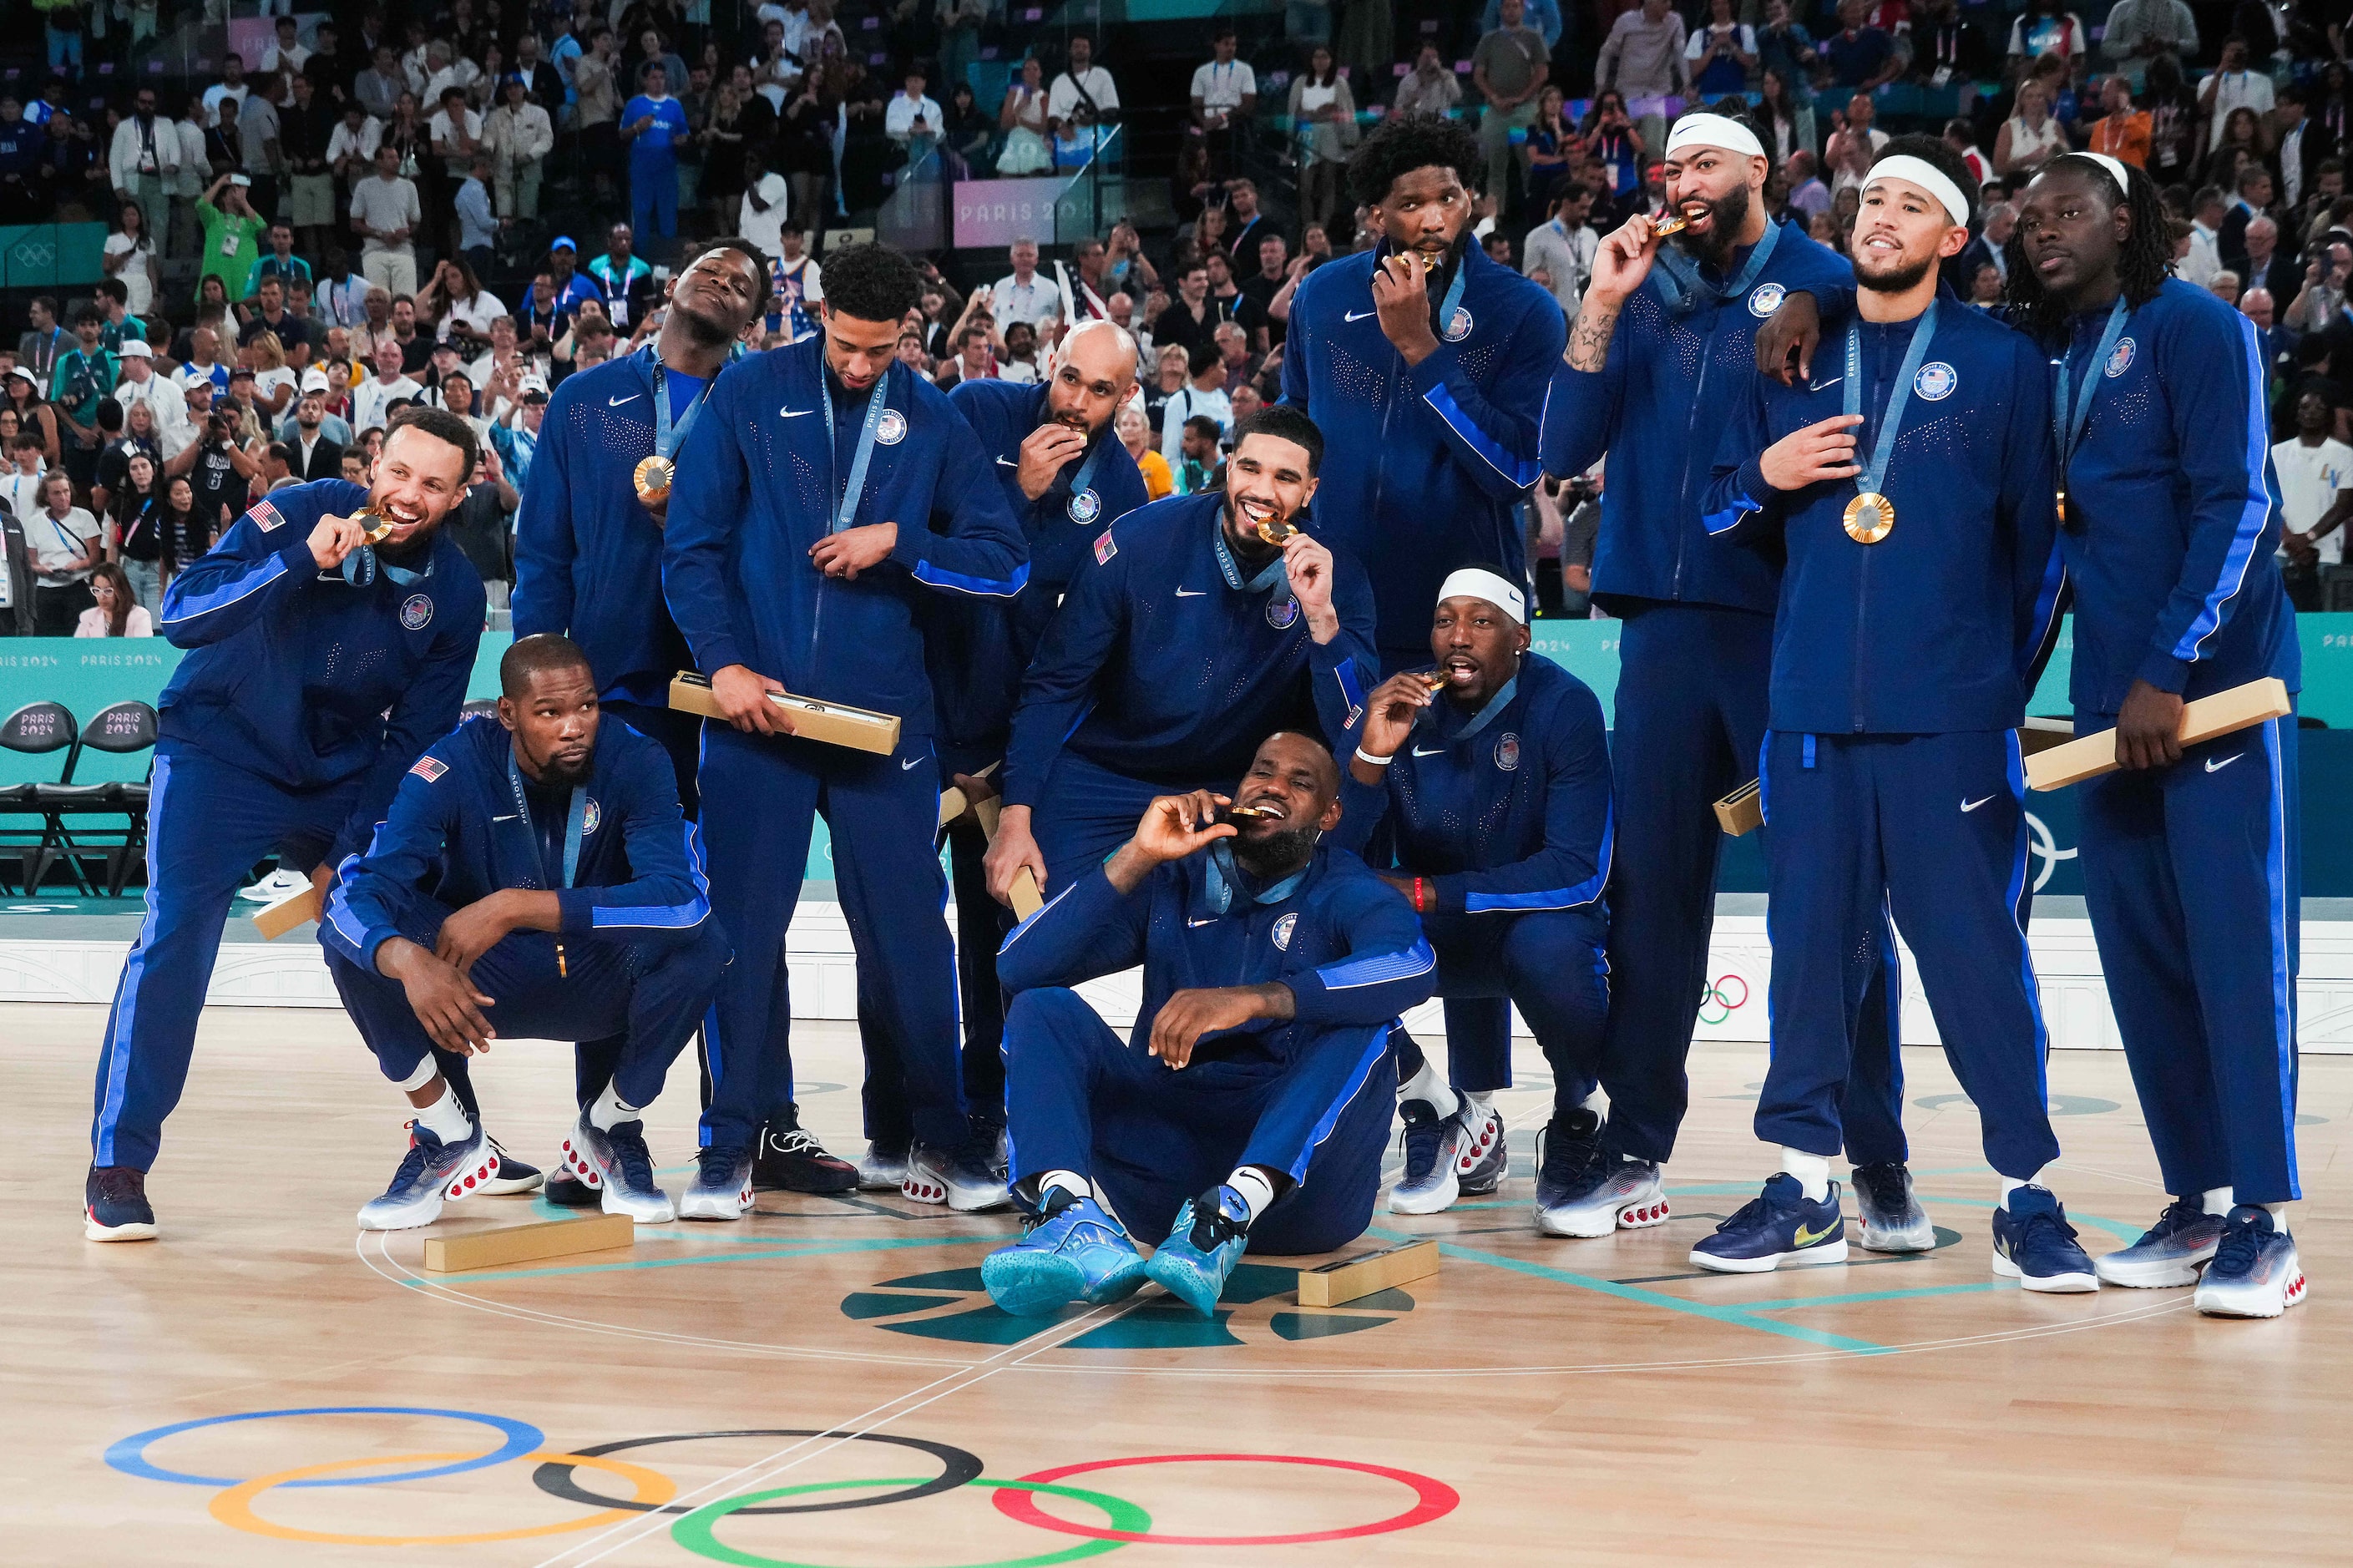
(1914,501)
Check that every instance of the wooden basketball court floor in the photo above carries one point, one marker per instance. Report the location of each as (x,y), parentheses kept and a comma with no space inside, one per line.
(254,1388)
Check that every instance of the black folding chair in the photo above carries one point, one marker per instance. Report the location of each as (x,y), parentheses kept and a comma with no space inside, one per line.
(35,729)
(122,729)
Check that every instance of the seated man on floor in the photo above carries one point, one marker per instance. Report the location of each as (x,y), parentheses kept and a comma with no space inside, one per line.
(535,871)
(1269,1098)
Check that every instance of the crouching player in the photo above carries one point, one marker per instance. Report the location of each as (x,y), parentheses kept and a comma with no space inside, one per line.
(1267,1096)
(535,871)
(1493,772)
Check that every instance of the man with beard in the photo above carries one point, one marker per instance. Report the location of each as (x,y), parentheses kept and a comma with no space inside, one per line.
(320,665)
(1661,347)
(1065,478)
(534,879)
(1911,487)
(1244,1115)
(829,489)
(1499,826)
(1425,364)
(1202,621)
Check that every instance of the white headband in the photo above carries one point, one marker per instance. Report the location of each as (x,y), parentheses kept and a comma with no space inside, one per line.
(2114,167)
(1713,131)
(1474,582)
(1929,177)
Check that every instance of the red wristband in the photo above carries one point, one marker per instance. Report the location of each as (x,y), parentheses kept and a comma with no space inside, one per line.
(1418,907)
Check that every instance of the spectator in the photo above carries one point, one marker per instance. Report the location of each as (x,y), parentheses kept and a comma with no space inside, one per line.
(379,87)
(1722,53)
(1509,67)
(1198,466)
(914,119)
(973,360)
(481,525)
(1259,290)
(1558,253)
(2204,258)
(2315,494)
(2254,201)
(2263,267)
(1020,361)
(262,154)
(2139,31)
(478,225)
(1246,225)
(519,136)
(83,381)
(64,541)
(1191,319)
(960,23)
(1136,434)
(2224,285)
(115,610)
(273,317)
(596,113)
(307,126)
(140,386)
(800,281)
(130,258)
(2045,30)
(1991,247)
(2297,149)
(386,214)
(232,231)
(20,489)
(1429,87)
(1022,119)
(133,520)
(2122,131)
(1859,54)
(1203,396)
(1544,15)
(1961,137)
(2032,136)
(1552,141)
(1084,93)
(970,130)
(1946,51)
(372,399)
(1024,294)
(313,453)
(231,88)
(1224,92)
(761,215)
(1784,44)
(2230,85)
(1642,61)
(144,161)
(656,126)
(1853,146)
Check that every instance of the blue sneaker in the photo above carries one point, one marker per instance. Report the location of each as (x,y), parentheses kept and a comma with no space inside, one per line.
(2034,1245)
(1777,1226)
(1073,1252)
(2168,1252)
(2255,1272)
(431,1172)
(1202,1249)
(114,1205)
(510,1176)
(619,1166)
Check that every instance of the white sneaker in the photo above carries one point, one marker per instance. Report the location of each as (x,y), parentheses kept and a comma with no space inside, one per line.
(430,1173)
(883,1169)
(617,1163)
(721,1188)
(275,886)
(2255,1272)
(955,1177)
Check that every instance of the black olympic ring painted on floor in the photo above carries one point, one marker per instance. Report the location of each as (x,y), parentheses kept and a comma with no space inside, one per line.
(957,1466)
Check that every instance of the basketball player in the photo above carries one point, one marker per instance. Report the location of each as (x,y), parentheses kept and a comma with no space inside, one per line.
(1495,786)
(534,879)
(823,484)
(1914,501)
(320,666)
(1249,1112)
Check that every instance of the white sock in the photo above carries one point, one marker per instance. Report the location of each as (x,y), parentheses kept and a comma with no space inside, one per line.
(2217,1200)
(1250,1185)
(2279,1216)
(1070,1181)
(427,1070)
(1426,1084)
(609,1110)
(1481,1106)
(1812,1171)
(2011,1185)
(445,1118)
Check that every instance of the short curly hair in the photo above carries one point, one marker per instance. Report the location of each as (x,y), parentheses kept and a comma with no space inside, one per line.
(872,283)
(1404,142)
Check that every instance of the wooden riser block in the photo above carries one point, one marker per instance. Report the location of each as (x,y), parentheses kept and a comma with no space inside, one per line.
(295,909)
(528,1243)
(2039,735)
(2224,713)
(1026,898)
(835,723)
(1353,1278)
(1742,811)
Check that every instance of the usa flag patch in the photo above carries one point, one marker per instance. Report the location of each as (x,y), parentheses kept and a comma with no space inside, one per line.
(430,769)
(265,516)
(1104,548)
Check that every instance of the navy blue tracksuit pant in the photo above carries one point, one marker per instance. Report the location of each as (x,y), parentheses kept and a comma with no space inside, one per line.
(207,823)
(883,812)
(1690,716)
(1548,962)
(1086,812)
(649,996)
(2190,879)
(1150,1136)
(1931,829)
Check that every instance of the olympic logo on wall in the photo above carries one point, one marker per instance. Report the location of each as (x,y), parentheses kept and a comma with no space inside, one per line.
(1725,997)
(696,1527)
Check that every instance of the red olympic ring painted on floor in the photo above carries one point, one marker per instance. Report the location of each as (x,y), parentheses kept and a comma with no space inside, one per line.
(1432,1500)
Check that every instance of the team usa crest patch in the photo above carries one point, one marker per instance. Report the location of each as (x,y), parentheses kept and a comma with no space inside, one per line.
(1086,507)
(430,769)
(892,428)
(416,612)
(1283,929)
(1282,612)
(265,516)
(1935,381)
(1104,548)
(1458,325)
(2120,361)
(1507,752)
(590,818)
(1764,299)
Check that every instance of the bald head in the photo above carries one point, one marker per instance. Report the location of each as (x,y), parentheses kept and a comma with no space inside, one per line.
(1095,372)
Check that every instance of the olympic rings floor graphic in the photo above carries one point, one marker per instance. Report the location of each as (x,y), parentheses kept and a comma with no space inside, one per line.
(696,1530)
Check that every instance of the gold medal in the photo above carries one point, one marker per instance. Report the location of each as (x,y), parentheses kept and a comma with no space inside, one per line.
(1669,223)
(652,478)
(1274,532)
(379,527)
(1869,518)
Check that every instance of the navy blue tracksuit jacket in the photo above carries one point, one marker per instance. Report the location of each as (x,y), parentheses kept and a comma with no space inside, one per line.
(1424,466)
(1892,777)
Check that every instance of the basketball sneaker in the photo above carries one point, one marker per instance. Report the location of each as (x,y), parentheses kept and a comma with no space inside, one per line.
(1893,1219)
(512,1175)
(1584,1190)
(2168,1252)
(1072,1251)
(963,1178)
(619,1162)
(1777,1226)
(430,1174)
(2034,1245)
(567,1191)
(721,1188)
(791,1161)
(114,1205)
(1202,1249)
(2255,1272)
(1448,1157)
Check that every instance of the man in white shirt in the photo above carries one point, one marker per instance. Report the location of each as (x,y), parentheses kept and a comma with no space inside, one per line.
(520,136)
(144,162)
(203,362)
(2231,86)
(1225,92)
(2316,480)
(387,385)
(140,384)
(20,489)
(351,146)
(232,84)
(1022,295)
(1561,249)
(286,55)
(1084,86)
(912,119)
(457,132)
(1204,393)
(760,216)
(2205,258)
(386,211)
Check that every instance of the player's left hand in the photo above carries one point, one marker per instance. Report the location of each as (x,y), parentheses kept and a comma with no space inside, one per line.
(1187,1015)
(2148,728)
(1401,294)
(472,931)
(1792,332)
(855,549)
(1307,564)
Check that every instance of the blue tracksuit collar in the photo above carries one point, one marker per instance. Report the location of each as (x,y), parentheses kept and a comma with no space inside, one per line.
(1446,714)
(1220,877)
(1686,285)
(1270,575)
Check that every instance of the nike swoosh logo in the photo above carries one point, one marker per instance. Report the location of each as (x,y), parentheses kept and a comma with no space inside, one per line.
(1431,753)
(617,402)
(510,816)
(1358,315)
(1211,921)
(1192,592)
(1808,1237)
(1824,385)
(910,763)
(794,412)
(1973,805)
(1007,463)
(2214,767)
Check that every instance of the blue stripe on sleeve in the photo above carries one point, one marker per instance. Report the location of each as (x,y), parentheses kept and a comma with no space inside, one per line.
(1350,687)
(1379,968)
(931,576)
(669,917)
(1732,516)
(188,607)
(2252,517)
(1584,892)
(1517,470)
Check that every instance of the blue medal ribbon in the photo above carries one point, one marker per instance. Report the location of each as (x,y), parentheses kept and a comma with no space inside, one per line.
(1874,468)
(1222,877)
(668,437)
(1084,478)
(359,569)
(575,822)
(848,513)
(1686,290)
(1271,575)
(2073,407)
